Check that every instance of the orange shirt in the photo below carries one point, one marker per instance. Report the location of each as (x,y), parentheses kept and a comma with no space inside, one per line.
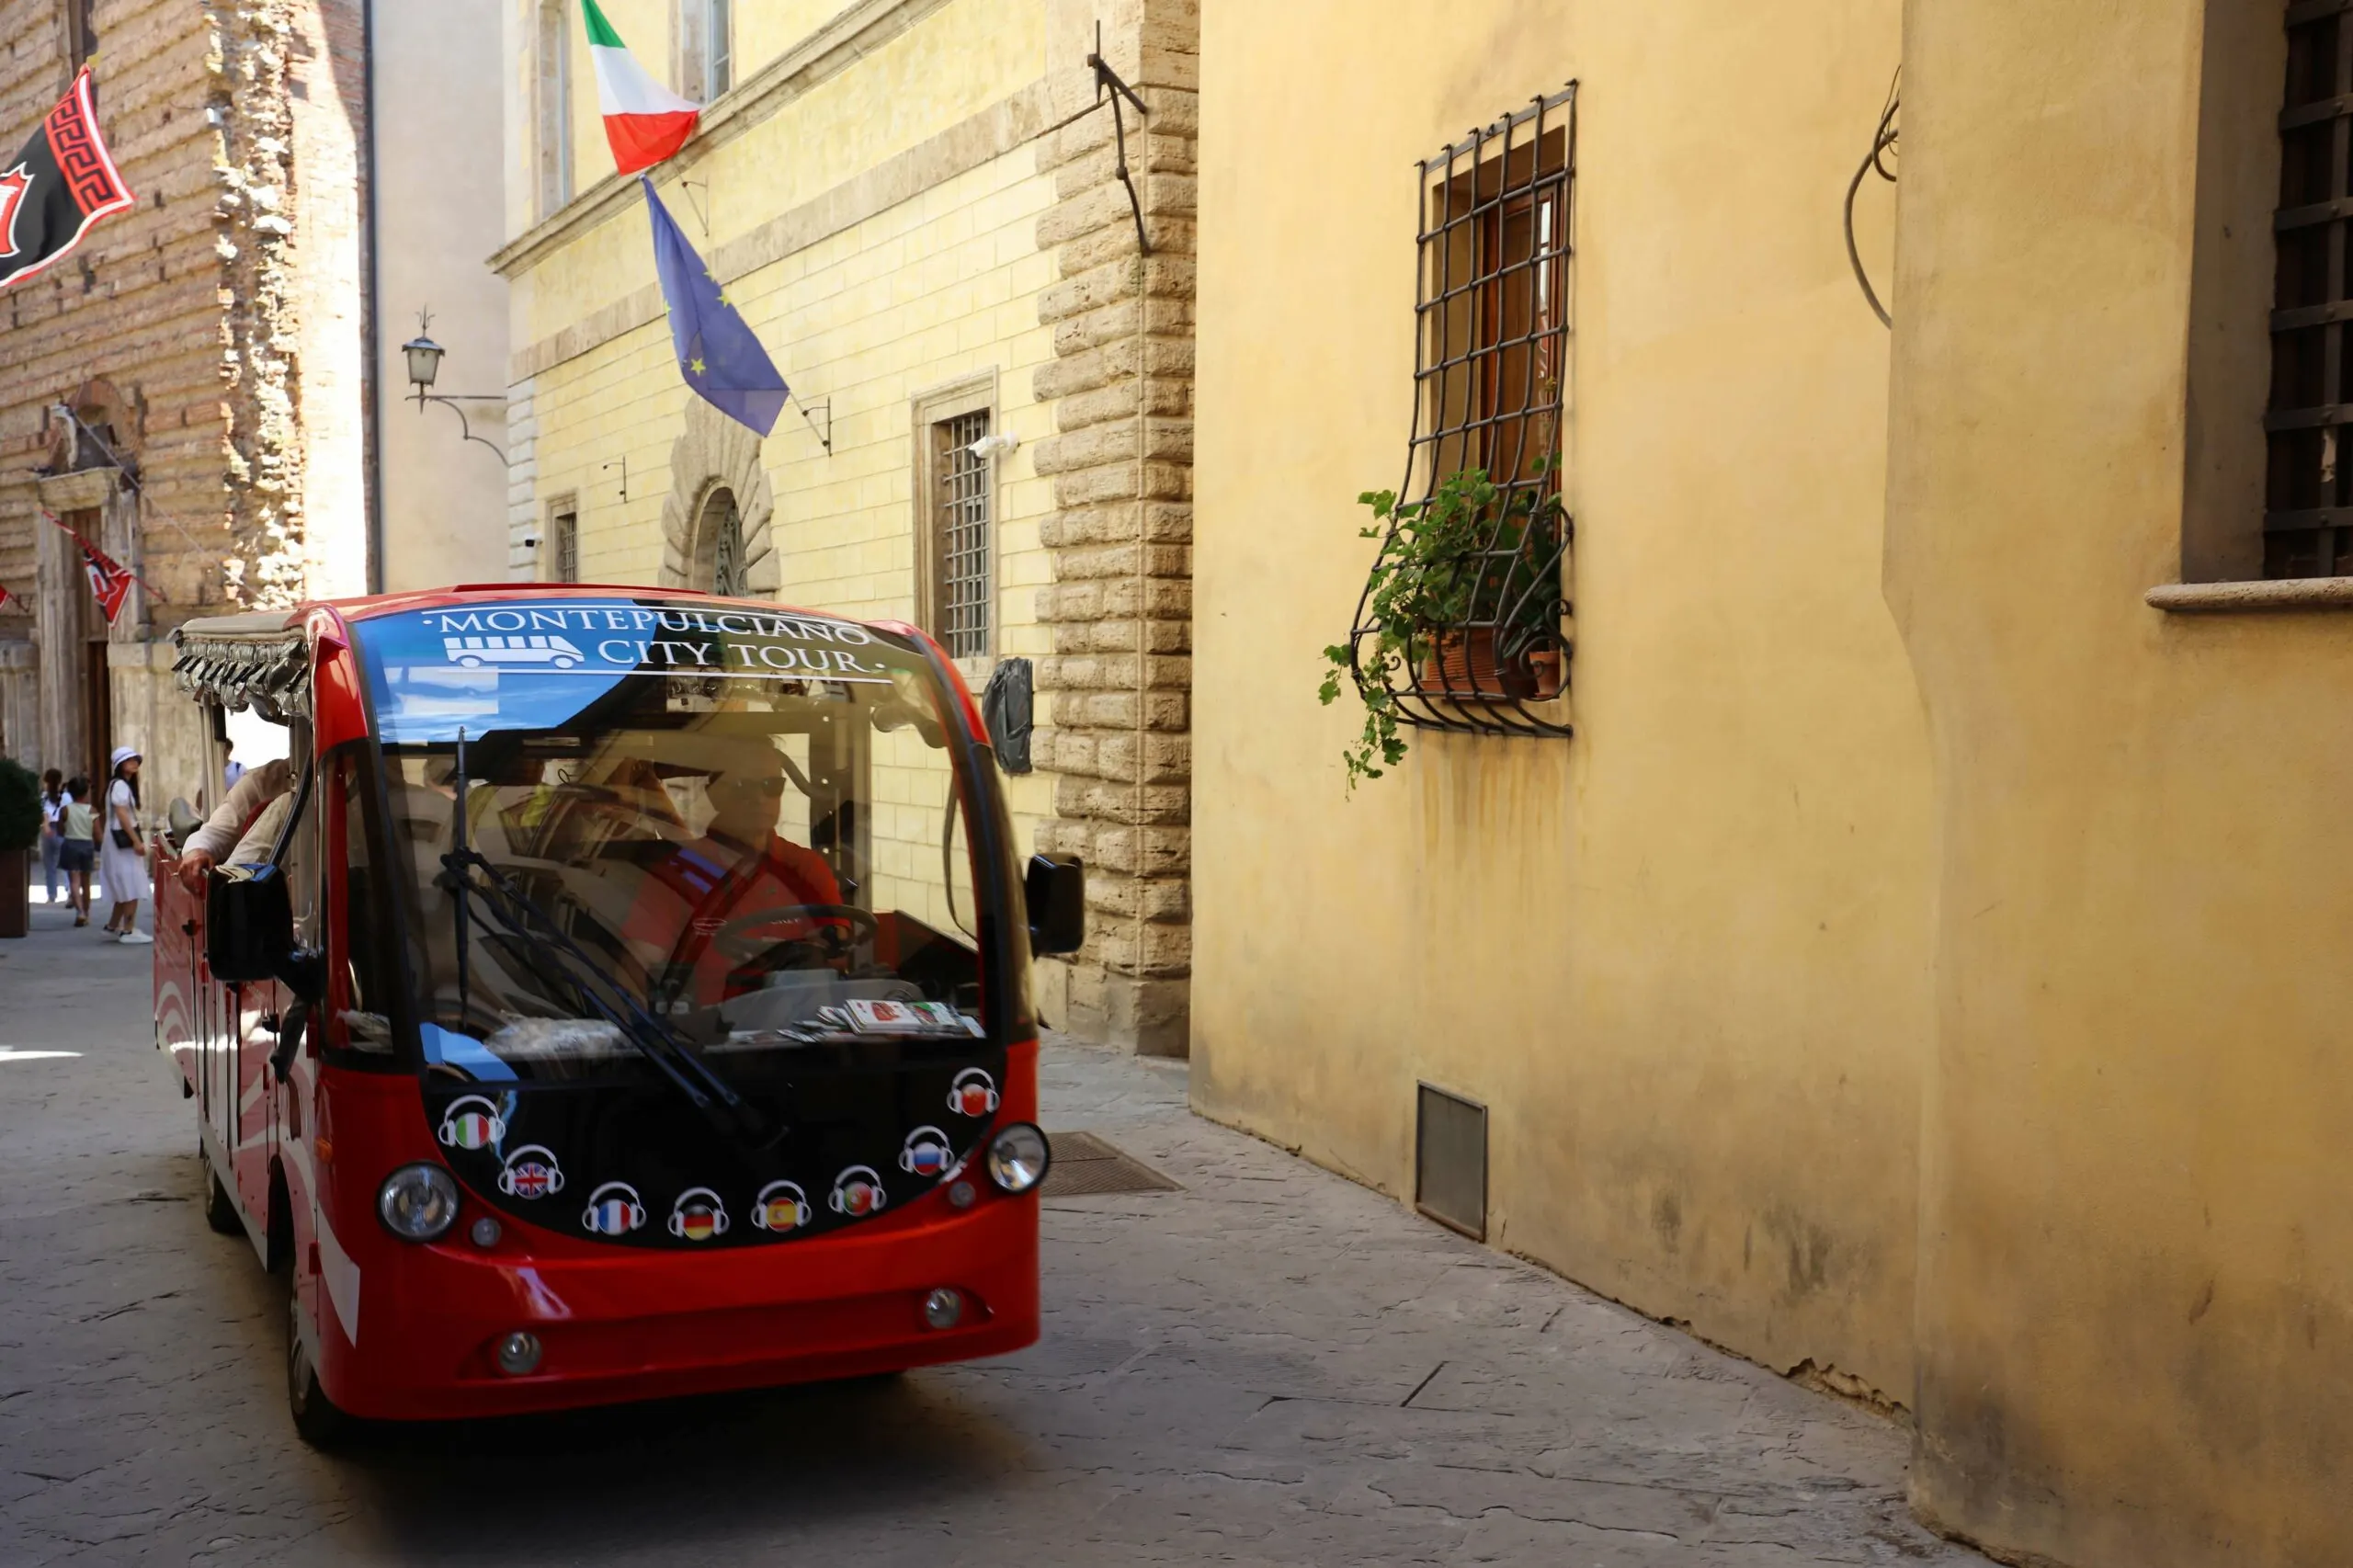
(692,894)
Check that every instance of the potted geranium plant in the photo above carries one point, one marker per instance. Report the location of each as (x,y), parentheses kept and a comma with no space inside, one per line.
(19,837)
(1462,604)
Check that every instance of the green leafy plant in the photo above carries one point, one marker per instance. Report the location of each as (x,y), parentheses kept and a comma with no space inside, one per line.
(1472,547)
(19,806)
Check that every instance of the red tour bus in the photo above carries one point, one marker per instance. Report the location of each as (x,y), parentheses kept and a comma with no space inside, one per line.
(627,997)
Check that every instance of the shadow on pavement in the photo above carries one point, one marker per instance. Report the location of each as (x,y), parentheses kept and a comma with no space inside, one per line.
(659,1477)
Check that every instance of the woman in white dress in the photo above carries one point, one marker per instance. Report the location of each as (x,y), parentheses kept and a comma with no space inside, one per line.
(122,849)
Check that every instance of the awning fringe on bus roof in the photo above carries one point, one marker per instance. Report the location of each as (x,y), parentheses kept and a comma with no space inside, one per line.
(246,661)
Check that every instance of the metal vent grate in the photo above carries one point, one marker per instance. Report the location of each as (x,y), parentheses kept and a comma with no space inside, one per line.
(1085,1165)
(1450,1160)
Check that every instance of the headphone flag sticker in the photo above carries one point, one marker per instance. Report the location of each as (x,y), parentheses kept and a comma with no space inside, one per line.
(61,181)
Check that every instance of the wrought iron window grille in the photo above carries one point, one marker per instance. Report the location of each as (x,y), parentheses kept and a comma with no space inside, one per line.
(2308,501)
(963,536)
(1462,625)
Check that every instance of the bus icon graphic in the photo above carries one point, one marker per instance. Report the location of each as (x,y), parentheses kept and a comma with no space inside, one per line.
(475,651)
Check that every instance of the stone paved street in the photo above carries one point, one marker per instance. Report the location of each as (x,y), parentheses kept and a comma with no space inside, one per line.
(1271,1366)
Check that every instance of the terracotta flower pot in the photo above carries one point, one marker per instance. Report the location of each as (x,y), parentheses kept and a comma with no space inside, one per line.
(1463,665)
(1544,674)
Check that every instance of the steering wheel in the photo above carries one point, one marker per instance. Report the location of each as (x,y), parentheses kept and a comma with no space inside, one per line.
(739,939)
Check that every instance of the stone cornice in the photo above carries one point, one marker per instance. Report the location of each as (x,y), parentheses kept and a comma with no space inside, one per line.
(852,34)
(1000,128)
(80,490)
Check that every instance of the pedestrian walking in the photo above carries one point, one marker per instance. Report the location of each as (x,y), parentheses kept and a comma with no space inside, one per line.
(122,853)
(77,851)
(52,836)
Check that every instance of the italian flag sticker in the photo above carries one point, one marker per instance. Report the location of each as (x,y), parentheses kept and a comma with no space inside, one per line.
(645,121)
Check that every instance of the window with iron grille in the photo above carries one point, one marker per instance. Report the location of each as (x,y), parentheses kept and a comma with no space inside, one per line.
(718,563)
(1479,521)
(961,595)
(2308,503)
(563,544)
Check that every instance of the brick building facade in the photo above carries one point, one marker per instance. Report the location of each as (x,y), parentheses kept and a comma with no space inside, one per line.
(188,389)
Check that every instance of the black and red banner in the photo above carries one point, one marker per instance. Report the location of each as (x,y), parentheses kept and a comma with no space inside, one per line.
(110,580)
(59,183)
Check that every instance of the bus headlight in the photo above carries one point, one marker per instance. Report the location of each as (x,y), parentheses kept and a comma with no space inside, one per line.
(417,1203)
(1018,1158)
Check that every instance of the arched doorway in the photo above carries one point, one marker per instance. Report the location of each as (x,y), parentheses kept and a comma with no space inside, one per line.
(719,520)
(719,543)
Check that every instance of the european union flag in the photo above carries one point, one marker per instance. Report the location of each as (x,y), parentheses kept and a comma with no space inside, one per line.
(717,353)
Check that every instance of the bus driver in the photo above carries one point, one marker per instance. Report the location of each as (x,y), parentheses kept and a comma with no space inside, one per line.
(740,868)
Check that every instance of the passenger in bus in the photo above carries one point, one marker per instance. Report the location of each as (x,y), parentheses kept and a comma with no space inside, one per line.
(222,837)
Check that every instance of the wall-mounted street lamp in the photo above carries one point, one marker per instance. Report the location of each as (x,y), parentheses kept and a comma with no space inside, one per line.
(424,357)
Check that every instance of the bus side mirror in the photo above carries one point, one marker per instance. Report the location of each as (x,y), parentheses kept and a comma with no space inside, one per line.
(248,924)
(1056,890)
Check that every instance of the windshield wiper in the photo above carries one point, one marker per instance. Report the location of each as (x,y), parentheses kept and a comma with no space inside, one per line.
(506,908)
(502,903)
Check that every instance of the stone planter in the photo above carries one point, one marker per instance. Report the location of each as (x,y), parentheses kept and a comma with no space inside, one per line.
(16,899)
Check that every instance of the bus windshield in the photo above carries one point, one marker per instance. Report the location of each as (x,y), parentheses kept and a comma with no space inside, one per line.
(678,833)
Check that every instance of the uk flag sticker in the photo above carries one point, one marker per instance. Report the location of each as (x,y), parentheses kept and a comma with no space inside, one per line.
(530,1172)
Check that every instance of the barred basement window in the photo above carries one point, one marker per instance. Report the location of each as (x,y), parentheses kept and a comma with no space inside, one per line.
(960,535)
(2308,503)
(1472,560)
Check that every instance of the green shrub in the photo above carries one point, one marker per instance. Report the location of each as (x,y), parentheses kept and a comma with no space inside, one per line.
(19,806)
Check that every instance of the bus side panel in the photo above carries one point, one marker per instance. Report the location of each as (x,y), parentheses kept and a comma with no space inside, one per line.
(178,926)
(251,1111)
(298,1155)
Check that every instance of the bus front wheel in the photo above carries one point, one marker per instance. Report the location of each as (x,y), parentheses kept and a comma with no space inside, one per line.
(316,1420)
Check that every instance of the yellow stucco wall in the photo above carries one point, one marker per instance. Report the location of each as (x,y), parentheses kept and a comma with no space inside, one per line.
(932,289)
(2136,1295)
(1683,957)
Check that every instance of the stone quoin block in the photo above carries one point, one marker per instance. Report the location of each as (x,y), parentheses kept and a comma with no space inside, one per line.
(1120,389)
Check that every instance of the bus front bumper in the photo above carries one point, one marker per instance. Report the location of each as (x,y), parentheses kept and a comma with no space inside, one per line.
(619,1323)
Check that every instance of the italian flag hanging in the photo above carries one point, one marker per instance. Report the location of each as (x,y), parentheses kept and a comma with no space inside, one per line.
(645,121)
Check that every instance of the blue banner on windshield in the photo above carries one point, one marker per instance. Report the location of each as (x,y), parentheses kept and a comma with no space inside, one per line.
(534,665)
